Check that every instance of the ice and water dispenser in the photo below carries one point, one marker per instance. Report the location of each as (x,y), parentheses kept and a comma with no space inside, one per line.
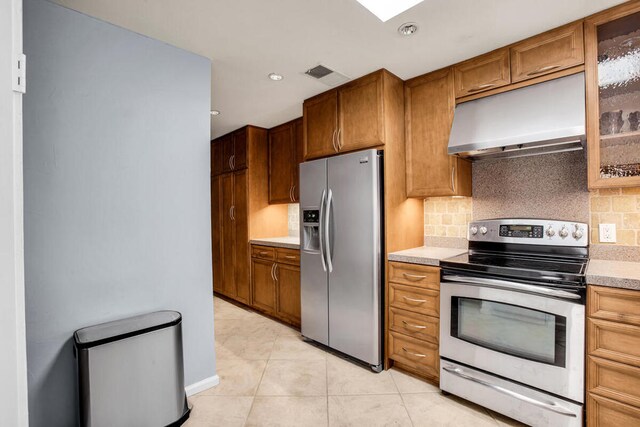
(311,230)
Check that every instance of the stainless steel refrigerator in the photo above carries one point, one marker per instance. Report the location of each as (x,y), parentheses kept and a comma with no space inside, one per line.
(341,238)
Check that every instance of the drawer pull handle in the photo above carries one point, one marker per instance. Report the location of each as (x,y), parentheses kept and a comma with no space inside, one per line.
(543,70)
(413,326)
(263,253)
(290,256)
(481,87)
(415,300)
(413,276)
(413,354)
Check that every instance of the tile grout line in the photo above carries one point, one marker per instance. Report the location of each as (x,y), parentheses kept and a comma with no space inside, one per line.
(326,374)
(404,404)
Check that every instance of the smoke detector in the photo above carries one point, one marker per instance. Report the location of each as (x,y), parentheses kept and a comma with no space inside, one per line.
(326,75)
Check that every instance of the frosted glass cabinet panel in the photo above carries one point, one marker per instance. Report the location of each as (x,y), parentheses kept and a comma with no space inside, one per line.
(613,97)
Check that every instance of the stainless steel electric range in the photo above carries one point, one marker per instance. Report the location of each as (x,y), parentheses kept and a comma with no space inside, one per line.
(513,318)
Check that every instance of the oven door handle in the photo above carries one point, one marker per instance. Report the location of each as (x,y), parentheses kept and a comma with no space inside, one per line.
(551,406)
(505,284)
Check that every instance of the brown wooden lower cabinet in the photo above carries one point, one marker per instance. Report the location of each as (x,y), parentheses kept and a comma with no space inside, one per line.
(413,319)
(288,292)
(275,282)
(613,357)
(605,412)
(263,289)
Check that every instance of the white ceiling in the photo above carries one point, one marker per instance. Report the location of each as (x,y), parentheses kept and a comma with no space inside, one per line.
(248,39)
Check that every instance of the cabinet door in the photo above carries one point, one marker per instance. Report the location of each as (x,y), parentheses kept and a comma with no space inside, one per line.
(228,235)
(263,291)
(216,233)
(612,38)
(227,152)
(217,156)
(547,53)
(298,145)
(483,73)
(288,291)
(320,125)
(429,104)
(239,160)
(282,162)
(361,114)
(241,225)
(603,412)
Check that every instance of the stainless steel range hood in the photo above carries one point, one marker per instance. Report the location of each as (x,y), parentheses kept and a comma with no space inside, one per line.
(548,117)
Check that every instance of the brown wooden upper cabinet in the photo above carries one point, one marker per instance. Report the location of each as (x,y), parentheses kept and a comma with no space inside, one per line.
(482,73)
(285,154)
(229,152)
(431,171)
(613,97)
(348,118)
(546,53)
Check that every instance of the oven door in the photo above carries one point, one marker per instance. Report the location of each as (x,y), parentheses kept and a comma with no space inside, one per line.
(536,340)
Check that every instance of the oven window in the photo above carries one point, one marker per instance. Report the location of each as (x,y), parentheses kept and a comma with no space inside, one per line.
(511,329)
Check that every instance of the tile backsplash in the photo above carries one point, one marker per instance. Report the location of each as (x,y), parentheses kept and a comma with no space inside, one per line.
(551,186)
(294,219)
(447,216)
(619,206)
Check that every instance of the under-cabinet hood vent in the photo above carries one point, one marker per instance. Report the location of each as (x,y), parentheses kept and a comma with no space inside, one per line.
(327,76)
(545,118)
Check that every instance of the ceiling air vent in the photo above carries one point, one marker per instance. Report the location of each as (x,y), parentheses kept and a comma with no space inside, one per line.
(326,75)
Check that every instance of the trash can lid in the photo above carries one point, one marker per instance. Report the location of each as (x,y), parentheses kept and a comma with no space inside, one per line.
(103,333)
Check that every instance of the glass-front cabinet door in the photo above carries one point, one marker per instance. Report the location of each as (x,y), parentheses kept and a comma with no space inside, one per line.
(612,66)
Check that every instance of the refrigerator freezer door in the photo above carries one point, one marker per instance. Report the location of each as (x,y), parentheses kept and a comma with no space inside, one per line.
(355,251)
(314,291)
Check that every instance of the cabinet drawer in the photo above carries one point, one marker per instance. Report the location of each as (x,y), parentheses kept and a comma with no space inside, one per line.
(423,301)
(415,325)
(415,275)
(614,380)
(547,53)
(483,73)
(418,354)
(288,256)
(619,305)
(613,341)
(602,412)
(263,252)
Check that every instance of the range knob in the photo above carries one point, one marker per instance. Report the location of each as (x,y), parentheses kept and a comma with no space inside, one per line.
(474,230)
(483,230)
(551,232)
(577,234)
(564,232)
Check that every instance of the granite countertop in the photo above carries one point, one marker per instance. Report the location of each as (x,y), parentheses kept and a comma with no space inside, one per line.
(290,242)
(617,274)
(425,255)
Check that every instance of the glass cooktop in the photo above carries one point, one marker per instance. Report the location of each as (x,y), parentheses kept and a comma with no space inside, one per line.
(533,268)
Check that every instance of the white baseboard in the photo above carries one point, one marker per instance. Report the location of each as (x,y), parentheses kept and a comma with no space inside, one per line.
(203,385)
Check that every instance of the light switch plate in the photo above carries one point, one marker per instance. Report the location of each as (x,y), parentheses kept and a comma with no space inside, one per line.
(607,233)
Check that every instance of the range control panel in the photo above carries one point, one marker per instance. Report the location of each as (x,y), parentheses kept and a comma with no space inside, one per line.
(523,230)
(530,231)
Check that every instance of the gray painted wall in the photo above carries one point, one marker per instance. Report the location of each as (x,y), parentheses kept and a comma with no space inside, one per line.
(117,211)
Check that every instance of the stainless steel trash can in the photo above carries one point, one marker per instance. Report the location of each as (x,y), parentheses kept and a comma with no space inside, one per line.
(131,372)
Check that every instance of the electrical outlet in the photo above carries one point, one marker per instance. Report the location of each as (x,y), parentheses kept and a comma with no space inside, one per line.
(607,233)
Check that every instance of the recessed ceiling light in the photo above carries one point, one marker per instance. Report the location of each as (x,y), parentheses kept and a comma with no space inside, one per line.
(275,77)
(385,9)
(408,29)
(215,112)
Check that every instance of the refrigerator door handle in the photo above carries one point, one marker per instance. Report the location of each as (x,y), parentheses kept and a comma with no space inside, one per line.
(321,231)
(327,242)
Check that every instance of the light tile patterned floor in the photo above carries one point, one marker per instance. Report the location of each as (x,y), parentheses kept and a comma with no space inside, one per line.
(270,377)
